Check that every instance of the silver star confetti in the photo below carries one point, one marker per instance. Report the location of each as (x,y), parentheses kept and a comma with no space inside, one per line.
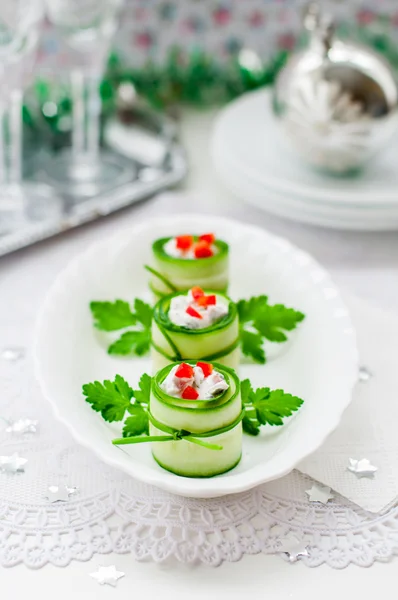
(294,550)
(22,426)
(319,493)
(58,493)
(364,374)
(13,354)
(107,575)
(362,468)
(13,463)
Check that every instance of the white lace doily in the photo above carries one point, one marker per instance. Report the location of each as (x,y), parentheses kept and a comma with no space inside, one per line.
(113,513)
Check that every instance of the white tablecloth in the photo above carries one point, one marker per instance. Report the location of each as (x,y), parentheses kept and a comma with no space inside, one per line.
(366,264)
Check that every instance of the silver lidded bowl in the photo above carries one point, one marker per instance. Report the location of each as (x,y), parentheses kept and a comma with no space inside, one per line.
(337,101)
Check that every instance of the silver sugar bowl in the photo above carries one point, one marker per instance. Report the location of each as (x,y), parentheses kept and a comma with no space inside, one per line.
(337,101)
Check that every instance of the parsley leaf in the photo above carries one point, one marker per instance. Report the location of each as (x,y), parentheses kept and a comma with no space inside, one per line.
(143,312)
(143,394)
(110,398)
(113,399)
(110,316)
(252,345)
(272,320)
(260,320)
(137,423)
(137,342)
(266,407)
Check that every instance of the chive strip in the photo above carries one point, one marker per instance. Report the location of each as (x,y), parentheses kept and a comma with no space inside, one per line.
(180,434)
(161,277)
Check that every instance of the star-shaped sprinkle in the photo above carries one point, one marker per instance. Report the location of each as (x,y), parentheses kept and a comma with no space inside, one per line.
(294,550)
(319,493)
(13,354)
(22,426)
(107,575)
(364,374)
(60,493)
(362,468)
(13,463)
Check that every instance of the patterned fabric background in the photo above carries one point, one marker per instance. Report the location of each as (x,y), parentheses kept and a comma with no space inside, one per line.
(150,28)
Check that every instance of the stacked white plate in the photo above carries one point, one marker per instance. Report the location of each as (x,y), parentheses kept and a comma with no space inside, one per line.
(254,162)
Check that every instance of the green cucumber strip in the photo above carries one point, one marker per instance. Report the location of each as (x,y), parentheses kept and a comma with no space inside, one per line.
(194,474)
(215,404)
(158,250)
(177,353)
(208,358)
(161,316)
(162,278)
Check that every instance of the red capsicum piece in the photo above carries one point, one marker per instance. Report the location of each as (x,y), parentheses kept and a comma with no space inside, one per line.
(184,371)
(189,393)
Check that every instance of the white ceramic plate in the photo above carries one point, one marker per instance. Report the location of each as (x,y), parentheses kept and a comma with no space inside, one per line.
(249,135)
(296,208)
(319,364)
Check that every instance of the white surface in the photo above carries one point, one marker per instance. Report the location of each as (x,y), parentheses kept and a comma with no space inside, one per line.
(369,425)
(111,511)
(319,365)
(253,162)
(366,264)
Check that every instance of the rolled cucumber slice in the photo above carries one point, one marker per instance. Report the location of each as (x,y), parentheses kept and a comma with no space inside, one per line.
(171,343)
(189,459)
(182,273)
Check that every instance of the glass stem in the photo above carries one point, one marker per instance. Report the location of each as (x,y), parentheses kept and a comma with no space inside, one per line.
(3,147)
(86,113)
(15,128)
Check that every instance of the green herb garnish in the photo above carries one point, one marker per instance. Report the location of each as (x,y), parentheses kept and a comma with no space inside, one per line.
(113,399)
(111,316)
(116,399)
(266,407)
(261,321)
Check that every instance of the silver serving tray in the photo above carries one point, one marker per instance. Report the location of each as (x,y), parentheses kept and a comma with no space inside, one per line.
(149,176)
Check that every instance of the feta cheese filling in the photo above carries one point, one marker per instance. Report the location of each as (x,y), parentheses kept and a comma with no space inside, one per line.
(194,385)
(171,249)
(198,316)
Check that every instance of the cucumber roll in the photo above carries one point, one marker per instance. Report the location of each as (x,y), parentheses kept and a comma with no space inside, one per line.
(195,325)
(186,260)
(195,413)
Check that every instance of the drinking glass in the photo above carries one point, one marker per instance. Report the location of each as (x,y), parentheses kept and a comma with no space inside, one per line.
(20,201)
(87,27)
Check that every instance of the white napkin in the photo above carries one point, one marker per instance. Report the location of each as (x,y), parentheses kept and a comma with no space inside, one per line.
(369,428)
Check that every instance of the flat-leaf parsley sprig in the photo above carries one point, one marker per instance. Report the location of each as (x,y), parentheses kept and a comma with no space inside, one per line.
(117,401)
(259,321)
(266,407)
(113,316)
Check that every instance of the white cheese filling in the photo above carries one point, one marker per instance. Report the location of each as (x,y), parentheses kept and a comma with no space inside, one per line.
(207,387)
(171,249)
(209,314)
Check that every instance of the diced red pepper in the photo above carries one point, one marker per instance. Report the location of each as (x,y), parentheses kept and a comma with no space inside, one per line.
(197,292)
(208,237)
(185,371)
(203,250)
(193,313)
(184,242)
(206,300)
(207,368)
(189,393)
